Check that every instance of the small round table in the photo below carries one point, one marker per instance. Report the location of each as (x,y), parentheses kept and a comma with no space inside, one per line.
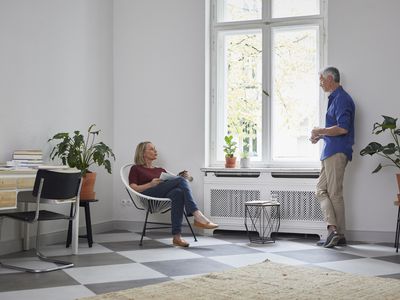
(263,217)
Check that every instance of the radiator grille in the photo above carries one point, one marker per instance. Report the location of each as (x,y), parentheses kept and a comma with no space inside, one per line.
(298,205)
(230,203)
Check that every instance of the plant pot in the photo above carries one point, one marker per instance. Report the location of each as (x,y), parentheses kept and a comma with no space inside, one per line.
(87,189)
(230,162)
(245,162)
(398,181)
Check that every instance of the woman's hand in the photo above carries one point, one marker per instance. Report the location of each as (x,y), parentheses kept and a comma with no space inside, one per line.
(184,174)
(154,182)
(141,188)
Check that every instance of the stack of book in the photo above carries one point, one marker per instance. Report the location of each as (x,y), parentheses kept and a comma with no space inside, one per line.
(26,159)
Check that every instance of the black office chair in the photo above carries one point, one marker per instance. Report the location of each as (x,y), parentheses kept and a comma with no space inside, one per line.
(51,187)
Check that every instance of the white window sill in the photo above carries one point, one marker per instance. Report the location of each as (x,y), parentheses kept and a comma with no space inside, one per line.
(277,171)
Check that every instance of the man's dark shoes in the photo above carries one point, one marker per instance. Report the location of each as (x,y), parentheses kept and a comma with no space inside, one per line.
(332,239)
(341,242)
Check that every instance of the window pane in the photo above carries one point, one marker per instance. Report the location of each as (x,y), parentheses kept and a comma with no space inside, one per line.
(295,94)
(238,10)
(242,91)
(294,8)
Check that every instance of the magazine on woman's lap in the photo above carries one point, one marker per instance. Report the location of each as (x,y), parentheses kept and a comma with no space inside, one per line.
(166,176)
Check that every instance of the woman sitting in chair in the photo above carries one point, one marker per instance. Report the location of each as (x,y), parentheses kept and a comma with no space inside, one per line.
(144,178)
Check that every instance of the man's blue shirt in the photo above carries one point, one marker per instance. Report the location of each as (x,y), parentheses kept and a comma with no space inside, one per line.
(340,112)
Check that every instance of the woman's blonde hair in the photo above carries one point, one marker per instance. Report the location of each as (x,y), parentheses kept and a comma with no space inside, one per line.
(140,148)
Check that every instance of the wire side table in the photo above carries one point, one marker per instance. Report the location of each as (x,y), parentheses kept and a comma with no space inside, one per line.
(263,217)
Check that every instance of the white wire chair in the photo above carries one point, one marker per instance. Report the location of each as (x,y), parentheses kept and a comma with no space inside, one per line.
(151,205)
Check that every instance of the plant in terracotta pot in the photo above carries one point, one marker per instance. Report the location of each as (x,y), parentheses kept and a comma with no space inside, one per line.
(79,152)
(391,151)
(230,149)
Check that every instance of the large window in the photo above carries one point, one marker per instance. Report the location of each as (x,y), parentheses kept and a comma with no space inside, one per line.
(265,58)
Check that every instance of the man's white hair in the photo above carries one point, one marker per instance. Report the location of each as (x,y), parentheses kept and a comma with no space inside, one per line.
(334,72)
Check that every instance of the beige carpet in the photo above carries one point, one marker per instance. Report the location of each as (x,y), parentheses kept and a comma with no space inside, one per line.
(267,280)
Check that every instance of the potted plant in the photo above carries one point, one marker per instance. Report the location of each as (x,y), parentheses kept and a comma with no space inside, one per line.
(230,149)
(79,152)
(244,159)
(391,151)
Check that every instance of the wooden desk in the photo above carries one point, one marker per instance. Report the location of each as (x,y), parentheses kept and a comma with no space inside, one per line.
(12,182)
(18,184)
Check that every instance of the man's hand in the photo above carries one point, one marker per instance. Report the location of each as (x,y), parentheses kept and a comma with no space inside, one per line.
(315,140)
(316,134)
(329,131)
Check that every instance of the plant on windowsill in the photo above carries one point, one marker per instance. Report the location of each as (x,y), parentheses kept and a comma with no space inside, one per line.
(244,159)
(391,151)
(230,149)
(79,152)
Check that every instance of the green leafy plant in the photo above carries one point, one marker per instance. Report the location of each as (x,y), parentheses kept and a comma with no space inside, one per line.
(245,149)
(244,154)
(390,151)
(79,152)
(230,146)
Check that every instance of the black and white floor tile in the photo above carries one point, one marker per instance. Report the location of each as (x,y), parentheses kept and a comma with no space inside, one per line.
(117,262)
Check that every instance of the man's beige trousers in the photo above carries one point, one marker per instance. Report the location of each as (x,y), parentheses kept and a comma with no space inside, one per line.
(330,191)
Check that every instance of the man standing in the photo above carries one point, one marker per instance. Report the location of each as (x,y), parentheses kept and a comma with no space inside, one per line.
(338,136)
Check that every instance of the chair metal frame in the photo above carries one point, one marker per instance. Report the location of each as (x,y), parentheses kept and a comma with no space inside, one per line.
(151,205)
(397,235)
(40,196)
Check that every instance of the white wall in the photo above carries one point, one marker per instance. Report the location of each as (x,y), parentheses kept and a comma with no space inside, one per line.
(363,43)
(56,75)
(159,87)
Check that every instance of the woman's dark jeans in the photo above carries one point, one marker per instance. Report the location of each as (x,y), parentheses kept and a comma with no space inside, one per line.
(178,190)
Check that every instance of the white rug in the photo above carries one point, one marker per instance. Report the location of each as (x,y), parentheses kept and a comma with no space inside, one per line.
(267,280)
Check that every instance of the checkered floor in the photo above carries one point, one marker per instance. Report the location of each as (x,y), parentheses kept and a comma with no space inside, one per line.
(117,262)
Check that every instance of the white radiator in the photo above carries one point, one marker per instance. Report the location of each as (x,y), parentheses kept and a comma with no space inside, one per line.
(225,193)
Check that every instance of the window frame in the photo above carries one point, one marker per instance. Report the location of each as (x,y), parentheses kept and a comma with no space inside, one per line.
(265,24)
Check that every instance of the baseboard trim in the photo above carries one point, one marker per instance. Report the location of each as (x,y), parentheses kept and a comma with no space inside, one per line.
(370,236)
(15,245)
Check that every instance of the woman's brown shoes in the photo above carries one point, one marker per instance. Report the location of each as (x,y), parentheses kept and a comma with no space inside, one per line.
(208,225)
(180,243)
